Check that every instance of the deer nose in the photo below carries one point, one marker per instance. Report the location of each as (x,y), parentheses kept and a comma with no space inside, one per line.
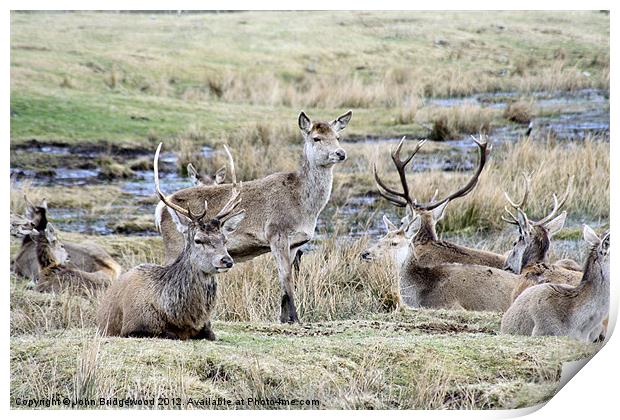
(342,155)
(365,255)
(227,261)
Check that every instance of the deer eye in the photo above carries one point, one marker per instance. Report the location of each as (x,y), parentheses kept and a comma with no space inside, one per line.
(200,241)
(316,139)
(394,244)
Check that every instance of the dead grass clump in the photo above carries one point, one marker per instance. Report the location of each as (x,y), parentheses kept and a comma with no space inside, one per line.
(519,112)
(448,123)
(111,169)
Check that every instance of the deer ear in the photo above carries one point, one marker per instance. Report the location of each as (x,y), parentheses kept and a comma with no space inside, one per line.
(590,236)
(556,225)
(220,175)
(50,233)
(232,223)
(439,211)
(181,222)
(341,122)
(192,173)
(305,125)
(413,228)
(389,226)
(44,203)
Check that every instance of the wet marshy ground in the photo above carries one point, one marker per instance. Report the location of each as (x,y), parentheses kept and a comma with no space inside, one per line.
(565,117)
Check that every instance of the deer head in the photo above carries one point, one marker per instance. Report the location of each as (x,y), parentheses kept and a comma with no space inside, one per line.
(22,227)
(37,214)
(533,242)
(322,140)
(205,239)
(197,179)
(395,242)
(425,214)
(599,250)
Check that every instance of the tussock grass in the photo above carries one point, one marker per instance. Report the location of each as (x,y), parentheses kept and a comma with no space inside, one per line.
(449,123)
(519,112)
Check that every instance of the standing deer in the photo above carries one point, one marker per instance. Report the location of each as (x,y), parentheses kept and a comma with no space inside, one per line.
(529,253)
(175,300)
(199,180)
(55,274)
(431,284)
(85,256)
(282,208)
(429,248)
(563,310)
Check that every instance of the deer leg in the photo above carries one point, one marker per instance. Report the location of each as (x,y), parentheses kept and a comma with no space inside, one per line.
(297,260)
(280,249)
(206,333)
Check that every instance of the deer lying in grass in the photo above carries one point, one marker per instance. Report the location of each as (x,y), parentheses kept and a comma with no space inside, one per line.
(430,250)
(563,310)
(176,300)
(55,274)
(431,284)
(282,208)
(529,253)
(200,180)
(85,256)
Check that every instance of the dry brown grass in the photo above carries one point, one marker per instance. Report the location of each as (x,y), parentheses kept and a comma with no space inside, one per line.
(450,123)
(520,112)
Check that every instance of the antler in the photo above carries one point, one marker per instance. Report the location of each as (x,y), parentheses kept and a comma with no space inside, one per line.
(518,206)
(484,150)
(235,199)
(185,212)
(400,199)
(557,205)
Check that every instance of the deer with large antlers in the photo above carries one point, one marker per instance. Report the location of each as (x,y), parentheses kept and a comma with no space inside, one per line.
(176,300)
(429,248)
(83,256)
(559,309)
(445,284)
(529,253)
(55,273)
(281,209)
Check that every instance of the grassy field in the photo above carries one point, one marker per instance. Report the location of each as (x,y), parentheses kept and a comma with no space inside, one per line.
(120,83)
(86,77)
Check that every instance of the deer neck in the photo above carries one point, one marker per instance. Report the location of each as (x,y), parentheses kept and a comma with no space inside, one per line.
(45,256)
(184,289)
(316,186)
(426,233)
(594,283)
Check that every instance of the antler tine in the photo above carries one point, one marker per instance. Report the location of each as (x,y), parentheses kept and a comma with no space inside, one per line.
(434,197)
(557,205)
(161,195)
(233,174)
(400,199)
(513,220)
(522,203)
(235,198)
(483,149)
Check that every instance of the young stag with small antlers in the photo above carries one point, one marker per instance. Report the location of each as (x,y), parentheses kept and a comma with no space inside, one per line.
(429,249)
(85,256)
(282,208)
(55,274)
(176,300)
(529,253)
(559,309)
(440,283)
(200,180)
